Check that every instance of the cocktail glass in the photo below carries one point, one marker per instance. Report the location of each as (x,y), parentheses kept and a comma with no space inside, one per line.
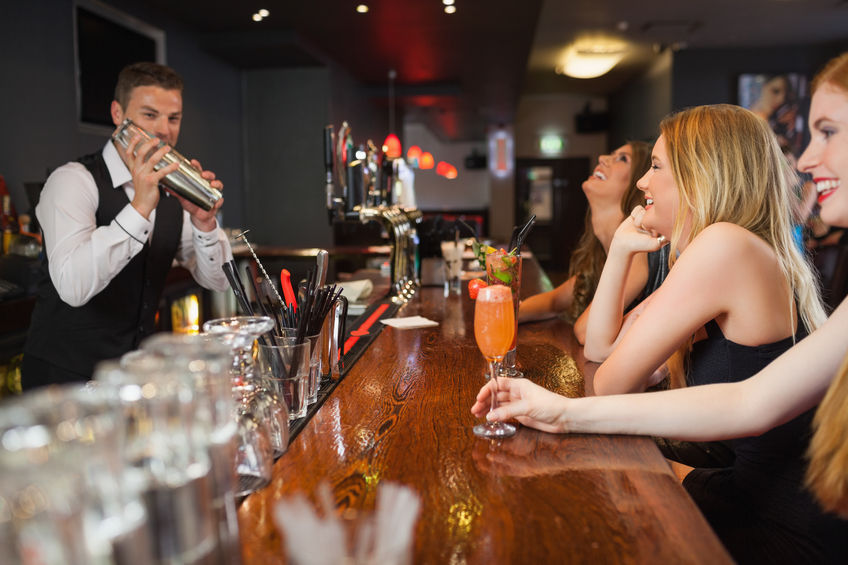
(494,330)
(505,269)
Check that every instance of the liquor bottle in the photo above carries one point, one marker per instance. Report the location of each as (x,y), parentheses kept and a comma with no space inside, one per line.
(9,222)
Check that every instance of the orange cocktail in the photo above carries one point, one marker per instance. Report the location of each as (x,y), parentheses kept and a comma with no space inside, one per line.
(494,329)
(494,321)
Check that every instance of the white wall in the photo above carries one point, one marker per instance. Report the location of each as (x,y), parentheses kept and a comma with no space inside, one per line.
(469,190)
(541,114)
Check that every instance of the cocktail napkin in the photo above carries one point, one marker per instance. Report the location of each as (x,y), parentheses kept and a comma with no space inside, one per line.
(410,322)
(356,290)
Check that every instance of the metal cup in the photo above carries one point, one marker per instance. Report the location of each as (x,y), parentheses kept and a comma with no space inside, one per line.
(185,181)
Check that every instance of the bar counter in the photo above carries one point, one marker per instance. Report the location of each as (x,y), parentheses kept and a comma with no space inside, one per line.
(402,414)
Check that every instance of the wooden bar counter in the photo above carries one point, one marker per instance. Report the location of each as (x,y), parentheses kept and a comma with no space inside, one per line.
(402,415)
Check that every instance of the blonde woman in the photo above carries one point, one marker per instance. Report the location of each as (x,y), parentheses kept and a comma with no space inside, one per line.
(611,192)
(720,192)
(777,520)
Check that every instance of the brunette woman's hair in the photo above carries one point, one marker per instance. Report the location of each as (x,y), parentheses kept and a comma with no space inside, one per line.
(587,259)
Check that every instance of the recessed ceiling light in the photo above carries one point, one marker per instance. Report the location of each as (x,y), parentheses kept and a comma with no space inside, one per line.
(590,58)
(362,9)
(448,2)
(264,13)
(450,9)
(257,17)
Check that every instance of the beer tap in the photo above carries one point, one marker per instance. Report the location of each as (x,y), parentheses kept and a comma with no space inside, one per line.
(366,180)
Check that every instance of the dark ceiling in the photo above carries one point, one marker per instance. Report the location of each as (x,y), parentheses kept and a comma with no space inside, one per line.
(461,73)
(457,72)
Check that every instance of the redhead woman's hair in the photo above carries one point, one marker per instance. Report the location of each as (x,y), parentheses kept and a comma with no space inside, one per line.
(587,259)
(834,73)
(827,475)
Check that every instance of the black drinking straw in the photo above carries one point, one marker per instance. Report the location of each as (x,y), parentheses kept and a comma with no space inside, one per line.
(235,285)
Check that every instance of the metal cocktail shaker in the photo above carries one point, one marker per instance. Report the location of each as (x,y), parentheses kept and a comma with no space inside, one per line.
(185,181)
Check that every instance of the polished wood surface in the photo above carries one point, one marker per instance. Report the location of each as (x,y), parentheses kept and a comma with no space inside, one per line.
(402,415)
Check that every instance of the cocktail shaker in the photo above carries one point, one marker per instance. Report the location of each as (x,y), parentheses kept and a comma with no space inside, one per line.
(185,181)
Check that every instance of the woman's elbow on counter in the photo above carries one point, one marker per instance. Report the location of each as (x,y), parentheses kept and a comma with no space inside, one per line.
(590,351)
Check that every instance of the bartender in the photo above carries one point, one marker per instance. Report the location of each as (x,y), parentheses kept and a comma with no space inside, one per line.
(111,235)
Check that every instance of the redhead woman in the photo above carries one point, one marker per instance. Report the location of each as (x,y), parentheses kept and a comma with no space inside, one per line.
(777,519)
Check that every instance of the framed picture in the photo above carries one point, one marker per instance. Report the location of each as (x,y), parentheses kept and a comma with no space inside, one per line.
(782,100)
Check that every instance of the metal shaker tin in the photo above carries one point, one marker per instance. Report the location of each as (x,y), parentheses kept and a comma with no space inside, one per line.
(185,181)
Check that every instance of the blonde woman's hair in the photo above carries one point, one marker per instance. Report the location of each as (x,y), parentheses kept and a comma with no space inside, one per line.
(827,475)
(729,168)
(587,259)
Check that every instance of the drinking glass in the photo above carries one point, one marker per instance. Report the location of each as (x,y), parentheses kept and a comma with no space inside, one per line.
(254,456)
(68,497)
(452,253)
(494,330)
(505,269)
(241,332)
(165,460)
(284,368)
(313,384)
(204,363)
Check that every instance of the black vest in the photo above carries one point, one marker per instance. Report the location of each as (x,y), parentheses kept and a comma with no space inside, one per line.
(115,320)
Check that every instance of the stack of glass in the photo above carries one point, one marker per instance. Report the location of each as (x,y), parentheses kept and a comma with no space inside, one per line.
(65,496)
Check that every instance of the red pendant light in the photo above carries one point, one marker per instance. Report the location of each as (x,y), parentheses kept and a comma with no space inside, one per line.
(442,168)
(426,161)
(391,146)
(413,154)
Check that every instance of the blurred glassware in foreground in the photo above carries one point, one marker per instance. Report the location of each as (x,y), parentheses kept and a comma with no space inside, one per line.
(166,457)
(65,495)
(204,363)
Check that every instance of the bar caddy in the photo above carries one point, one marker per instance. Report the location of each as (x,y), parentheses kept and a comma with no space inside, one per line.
(366,179)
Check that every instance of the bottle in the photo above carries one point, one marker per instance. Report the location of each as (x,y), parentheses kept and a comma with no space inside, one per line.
(9,223)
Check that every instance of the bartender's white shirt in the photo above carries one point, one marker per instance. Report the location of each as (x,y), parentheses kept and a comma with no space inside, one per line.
(83,258)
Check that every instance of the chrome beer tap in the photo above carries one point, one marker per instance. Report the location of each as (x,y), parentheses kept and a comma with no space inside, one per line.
(366,183)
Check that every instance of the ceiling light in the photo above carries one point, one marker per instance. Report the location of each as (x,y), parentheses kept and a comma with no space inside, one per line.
(257,17)
(591,58)
(362,9)
(450,9)
(264,13)
(448,2)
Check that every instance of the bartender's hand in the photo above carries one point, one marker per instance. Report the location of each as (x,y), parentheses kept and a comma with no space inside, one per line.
(200,218)
(145,178)
(525,401)
(632,237)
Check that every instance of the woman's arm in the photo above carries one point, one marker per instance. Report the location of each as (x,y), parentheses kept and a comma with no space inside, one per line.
(547,304)
(793,383)
(700,287)
(637,278)
(621,275)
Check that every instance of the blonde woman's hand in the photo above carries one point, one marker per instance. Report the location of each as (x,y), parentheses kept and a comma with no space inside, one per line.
(522,400)
(632,237)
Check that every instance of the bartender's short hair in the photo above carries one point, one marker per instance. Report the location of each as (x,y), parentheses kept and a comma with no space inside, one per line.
(145,74)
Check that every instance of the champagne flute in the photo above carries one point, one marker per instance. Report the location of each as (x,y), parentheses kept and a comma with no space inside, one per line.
(494,329)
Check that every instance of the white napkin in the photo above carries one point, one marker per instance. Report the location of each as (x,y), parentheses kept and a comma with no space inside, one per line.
(356,290)
(410,322)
